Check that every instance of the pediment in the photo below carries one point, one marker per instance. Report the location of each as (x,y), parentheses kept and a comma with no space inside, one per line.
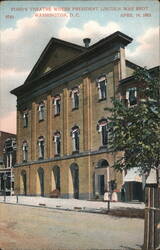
(56,53)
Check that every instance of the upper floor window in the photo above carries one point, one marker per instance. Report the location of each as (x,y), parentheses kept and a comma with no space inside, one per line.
(25,151)
(131,96)
(102,89)
(9,160)
(75,132)
(57,143)
(57,105)
(41,147)
(8,150)
(102,128)
(75,98)
(41,111)
(25,119)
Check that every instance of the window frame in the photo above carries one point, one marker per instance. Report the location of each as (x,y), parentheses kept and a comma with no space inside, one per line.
(56,102)
(75,94)
(128,96)
(41,111)
(102,93)
(75,134)
(57,135)
(104,137)
(41,148)
(25,151)
(25,119)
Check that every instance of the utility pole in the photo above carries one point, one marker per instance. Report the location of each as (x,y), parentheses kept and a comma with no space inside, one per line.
(5,179)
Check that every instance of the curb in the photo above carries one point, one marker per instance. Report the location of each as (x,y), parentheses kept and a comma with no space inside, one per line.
(116,212)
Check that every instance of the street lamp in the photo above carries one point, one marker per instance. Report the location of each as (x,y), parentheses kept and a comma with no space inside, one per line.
(5,179)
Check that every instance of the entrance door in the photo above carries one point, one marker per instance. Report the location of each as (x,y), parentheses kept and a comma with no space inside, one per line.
(75,179)
(24,183)
(101,184)
(41,180)
(137,191)
(76,183)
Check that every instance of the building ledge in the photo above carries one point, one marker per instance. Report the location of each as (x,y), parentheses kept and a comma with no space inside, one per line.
(65,157)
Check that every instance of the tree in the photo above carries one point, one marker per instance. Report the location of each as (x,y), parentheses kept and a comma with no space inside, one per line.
(135,130)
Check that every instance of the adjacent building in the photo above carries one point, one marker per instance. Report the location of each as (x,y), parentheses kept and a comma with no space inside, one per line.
(62,134)
(7,161)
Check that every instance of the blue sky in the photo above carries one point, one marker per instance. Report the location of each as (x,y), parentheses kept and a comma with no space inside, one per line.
(24,36)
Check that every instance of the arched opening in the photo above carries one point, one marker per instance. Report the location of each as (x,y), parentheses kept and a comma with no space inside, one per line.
(24,182)
(101,178)
(41,181)
(75,179)
(56,175)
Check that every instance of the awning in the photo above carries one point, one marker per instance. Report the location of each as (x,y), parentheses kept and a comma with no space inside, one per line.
(152,179)
(133,174)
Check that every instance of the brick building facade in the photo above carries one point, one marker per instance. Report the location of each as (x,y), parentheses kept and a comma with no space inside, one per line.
(62,136)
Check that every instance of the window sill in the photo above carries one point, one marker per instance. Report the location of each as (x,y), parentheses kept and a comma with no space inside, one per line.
(41,158)
(75,108)
(41,120)
(75,152)
(101,100)
(24,161)
(132,105)
(103,147)
(57,155)
(58,114)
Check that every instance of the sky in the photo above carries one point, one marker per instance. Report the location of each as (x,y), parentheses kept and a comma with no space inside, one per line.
(27,26)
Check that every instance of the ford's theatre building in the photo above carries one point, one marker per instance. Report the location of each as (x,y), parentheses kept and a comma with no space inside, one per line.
(62,135)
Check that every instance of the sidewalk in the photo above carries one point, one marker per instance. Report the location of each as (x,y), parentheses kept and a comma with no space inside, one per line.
(71,204)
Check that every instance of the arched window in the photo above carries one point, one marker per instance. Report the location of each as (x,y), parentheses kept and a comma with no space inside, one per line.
(101,84)
(57,143)
(102,128)
(25,151)
(75,132)
(41,147)
(25,119)
(57,105)
(75,98)
(41,109)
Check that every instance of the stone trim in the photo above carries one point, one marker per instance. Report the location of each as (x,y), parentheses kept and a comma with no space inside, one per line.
(65,157)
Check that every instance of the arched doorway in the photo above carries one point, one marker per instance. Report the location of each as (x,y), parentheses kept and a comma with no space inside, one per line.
(75,180)
(41,181)
(56,176)
(24,182)
(101,177)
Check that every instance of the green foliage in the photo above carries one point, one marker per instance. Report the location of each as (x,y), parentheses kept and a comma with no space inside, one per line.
(135,130)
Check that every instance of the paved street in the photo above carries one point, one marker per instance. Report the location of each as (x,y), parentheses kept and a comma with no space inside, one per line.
(23,227)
